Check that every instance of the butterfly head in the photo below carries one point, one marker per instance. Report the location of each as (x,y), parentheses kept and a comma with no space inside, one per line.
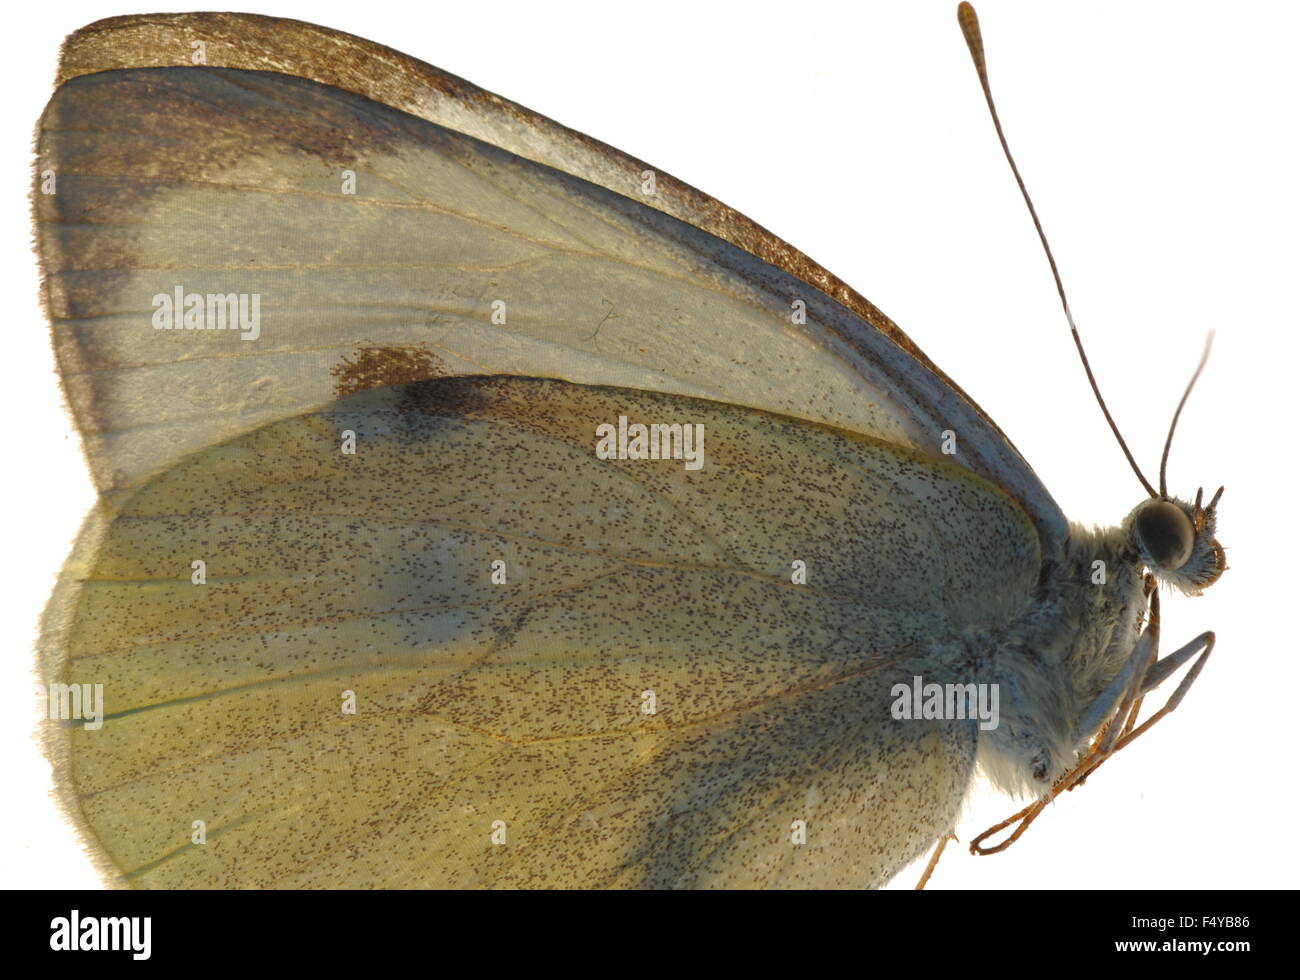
(1175,540)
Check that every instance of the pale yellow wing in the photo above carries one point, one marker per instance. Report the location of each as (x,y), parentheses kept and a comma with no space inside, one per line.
(519,707)
(452,257)
(381,74)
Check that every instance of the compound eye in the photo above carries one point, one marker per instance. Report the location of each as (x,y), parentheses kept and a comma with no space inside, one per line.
(1166,534)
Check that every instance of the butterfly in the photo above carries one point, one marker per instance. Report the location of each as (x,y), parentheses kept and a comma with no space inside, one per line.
(427,332)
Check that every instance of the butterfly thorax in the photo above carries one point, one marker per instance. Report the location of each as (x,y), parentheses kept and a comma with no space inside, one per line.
(1052,663)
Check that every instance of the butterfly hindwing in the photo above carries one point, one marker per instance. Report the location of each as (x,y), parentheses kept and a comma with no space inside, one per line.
(518,692)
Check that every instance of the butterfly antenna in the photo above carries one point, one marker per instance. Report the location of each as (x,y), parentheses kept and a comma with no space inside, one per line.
(970,28)
(1169,439)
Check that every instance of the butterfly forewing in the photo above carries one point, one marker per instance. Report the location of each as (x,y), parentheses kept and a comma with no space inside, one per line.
(222,182)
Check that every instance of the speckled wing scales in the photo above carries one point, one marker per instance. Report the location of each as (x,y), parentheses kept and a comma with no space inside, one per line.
(523,701)
(381,74)
(228,179)
(471,289)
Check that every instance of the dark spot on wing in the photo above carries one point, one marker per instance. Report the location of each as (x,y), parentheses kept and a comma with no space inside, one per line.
(446,397)
(374,366)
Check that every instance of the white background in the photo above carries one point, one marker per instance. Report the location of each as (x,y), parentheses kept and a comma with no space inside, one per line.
(1159,140)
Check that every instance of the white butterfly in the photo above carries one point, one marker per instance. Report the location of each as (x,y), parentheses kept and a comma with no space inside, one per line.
(150,453)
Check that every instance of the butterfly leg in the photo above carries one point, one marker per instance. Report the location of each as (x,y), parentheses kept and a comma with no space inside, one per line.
(934,860)
(1156,674)
(1120,694)
(1133,684)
